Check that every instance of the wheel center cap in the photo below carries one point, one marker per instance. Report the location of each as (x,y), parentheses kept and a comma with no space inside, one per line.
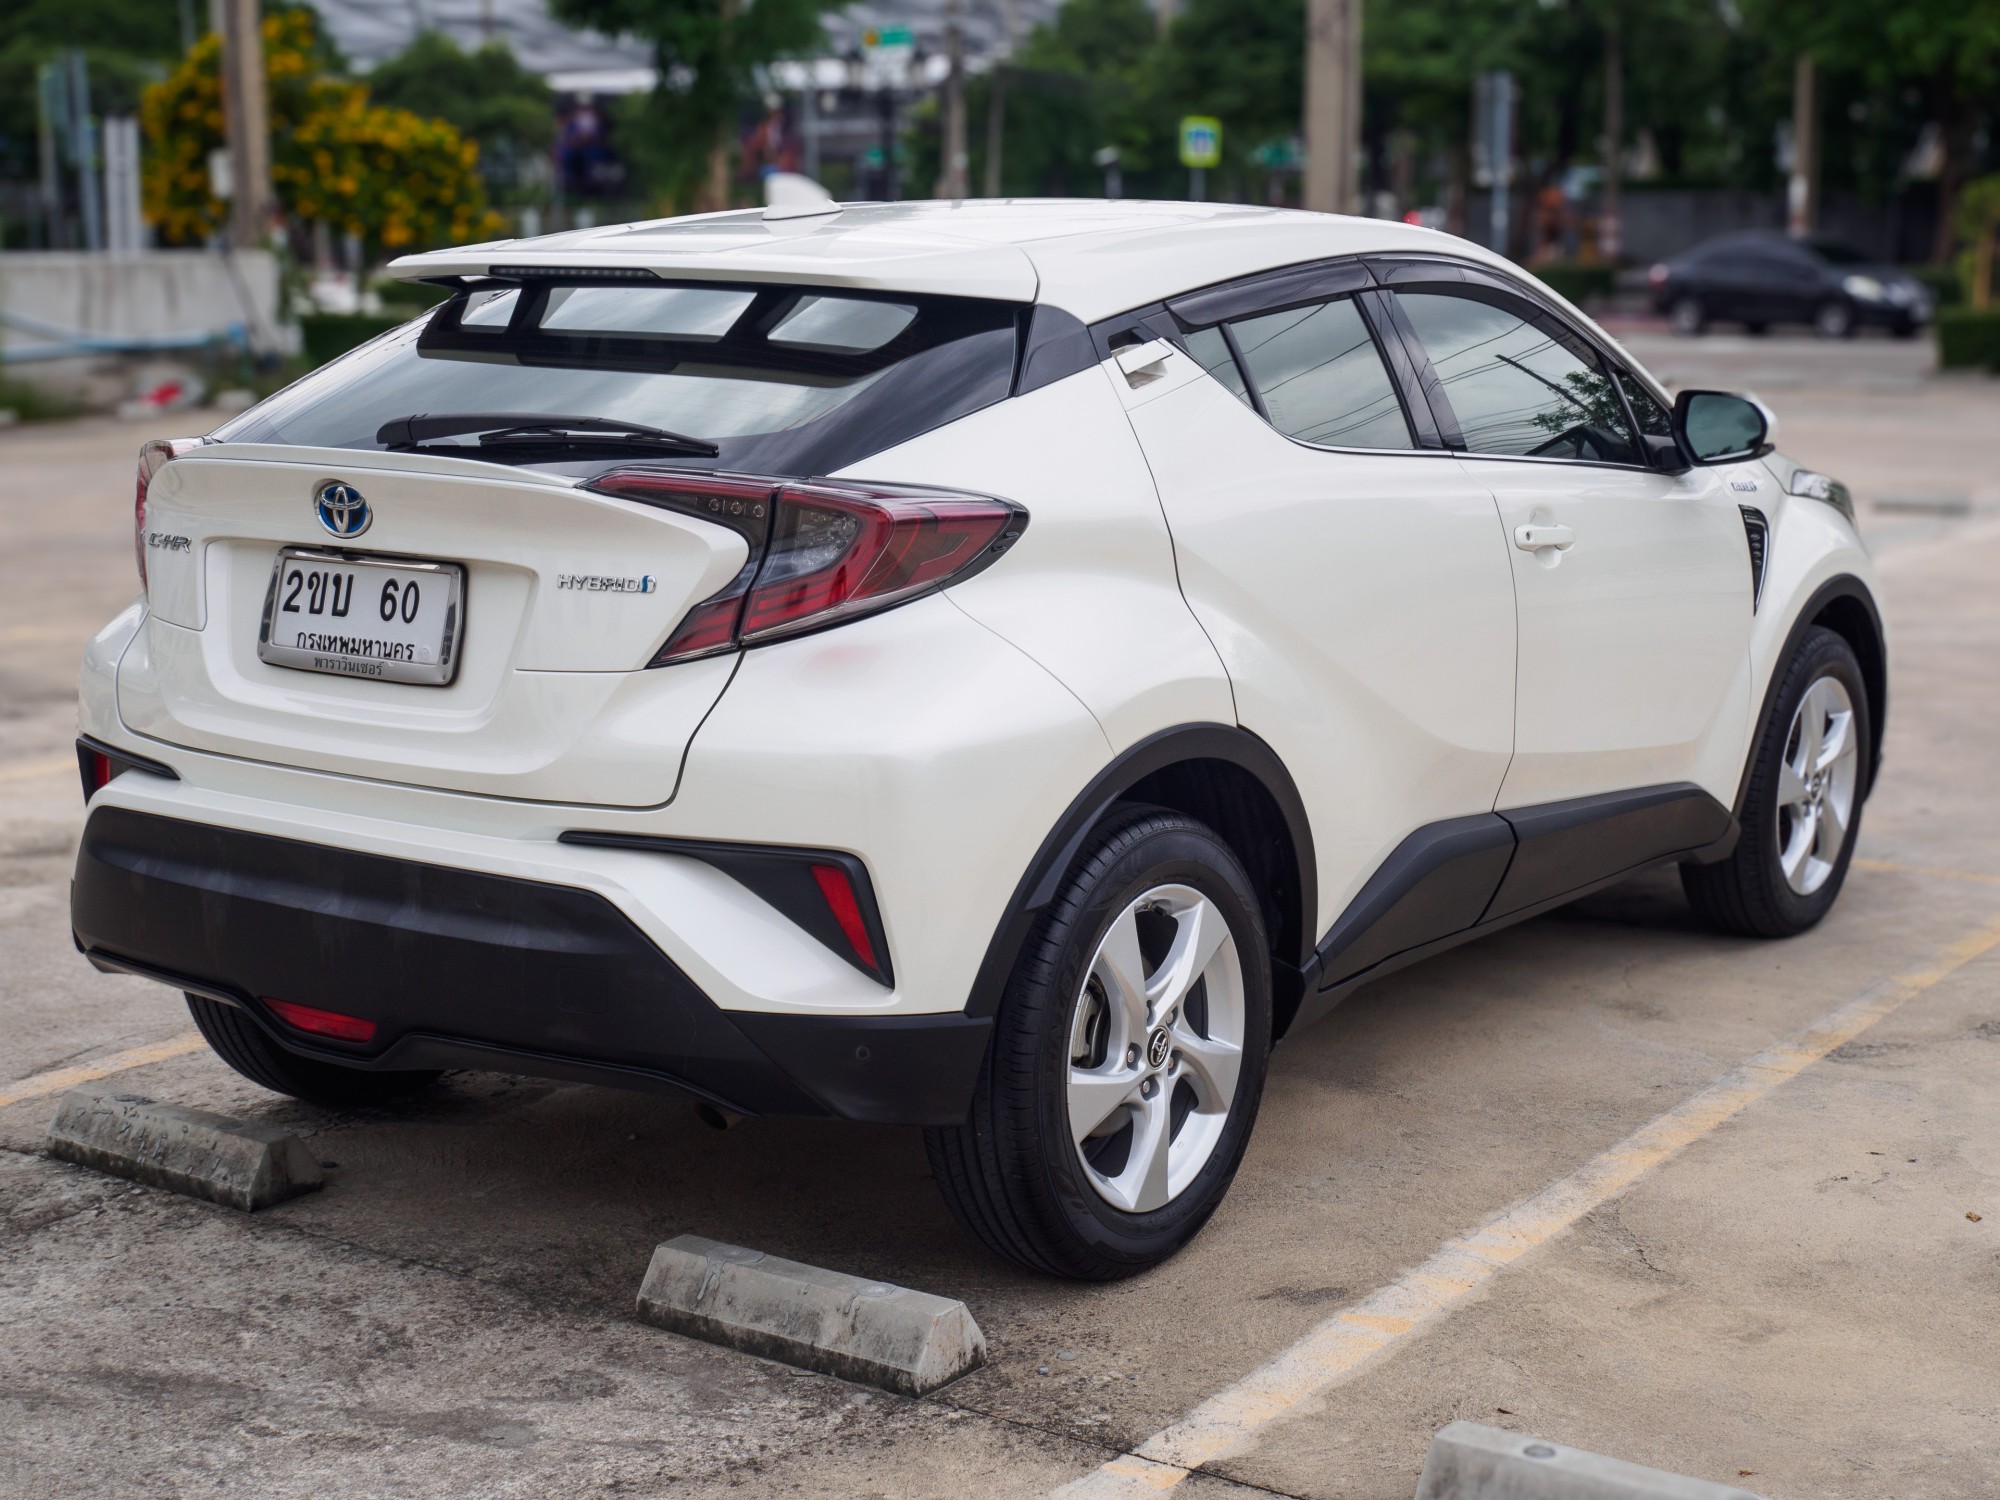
(1158,1046)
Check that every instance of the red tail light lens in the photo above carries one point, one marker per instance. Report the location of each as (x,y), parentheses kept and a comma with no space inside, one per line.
(840,900)
(153,457)
(98,769)
(821,553)
(323,1022)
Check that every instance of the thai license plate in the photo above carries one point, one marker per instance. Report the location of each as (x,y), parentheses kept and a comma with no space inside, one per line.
(363,617)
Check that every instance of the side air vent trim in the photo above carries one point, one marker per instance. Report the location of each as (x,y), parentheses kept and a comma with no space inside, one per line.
(1758,530)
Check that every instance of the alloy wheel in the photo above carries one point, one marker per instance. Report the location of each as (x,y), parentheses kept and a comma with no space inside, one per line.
(1156,1046)
(1816,785)
(1833,320)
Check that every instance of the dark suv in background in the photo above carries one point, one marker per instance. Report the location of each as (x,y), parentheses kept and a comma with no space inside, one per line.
(1762,277)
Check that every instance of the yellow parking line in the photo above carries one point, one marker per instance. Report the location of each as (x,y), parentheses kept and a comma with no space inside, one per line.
(1230,1420)
(29,770)
(1891,867)
(57,1079)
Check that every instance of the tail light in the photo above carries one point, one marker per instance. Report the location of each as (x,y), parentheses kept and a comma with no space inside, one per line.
(820,553)
(1657,275)
(153,457)
(331,1023)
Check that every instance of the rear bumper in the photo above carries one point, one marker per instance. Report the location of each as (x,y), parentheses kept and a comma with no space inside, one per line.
(466,969)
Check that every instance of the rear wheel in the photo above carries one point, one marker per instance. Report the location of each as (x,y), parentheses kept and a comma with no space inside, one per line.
(1127,1062)
(1803,806)
(238,1041)
(1687,316)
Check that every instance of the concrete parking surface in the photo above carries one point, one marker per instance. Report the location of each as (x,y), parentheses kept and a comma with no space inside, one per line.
(1800,1297)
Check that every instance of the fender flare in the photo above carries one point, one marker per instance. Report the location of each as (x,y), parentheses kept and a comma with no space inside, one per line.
(1168,747)
(1875,674)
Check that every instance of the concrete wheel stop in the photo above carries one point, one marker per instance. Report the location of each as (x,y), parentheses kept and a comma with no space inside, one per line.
(1470,1462)
(867,1331)
(186,1150)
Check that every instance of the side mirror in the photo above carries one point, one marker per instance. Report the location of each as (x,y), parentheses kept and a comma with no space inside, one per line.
(1715,427)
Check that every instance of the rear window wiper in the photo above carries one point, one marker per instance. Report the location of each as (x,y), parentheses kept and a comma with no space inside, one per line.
(535,430)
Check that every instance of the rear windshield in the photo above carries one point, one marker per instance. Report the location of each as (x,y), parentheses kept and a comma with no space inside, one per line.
(783,380)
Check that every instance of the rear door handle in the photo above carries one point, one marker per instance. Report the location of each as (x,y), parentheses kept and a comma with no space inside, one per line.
(1534,537)
(1143,362)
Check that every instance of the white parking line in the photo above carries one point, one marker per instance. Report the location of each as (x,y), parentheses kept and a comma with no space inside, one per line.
(1229,1421)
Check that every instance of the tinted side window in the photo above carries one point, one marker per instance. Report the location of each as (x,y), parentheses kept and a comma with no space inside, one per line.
(1210,350)
(1515,387)
(1652,417)
(1320,378)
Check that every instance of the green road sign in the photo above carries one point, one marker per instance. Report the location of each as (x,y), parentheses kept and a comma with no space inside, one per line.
(1201,141)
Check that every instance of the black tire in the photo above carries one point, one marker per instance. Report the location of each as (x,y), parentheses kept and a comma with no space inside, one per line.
(238,1041)
(1904,328)
(1687,315)
(1747,893)
(1010,1174)
(1756,330)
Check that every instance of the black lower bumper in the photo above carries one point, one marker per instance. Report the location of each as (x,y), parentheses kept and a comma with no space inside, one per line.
(460,969)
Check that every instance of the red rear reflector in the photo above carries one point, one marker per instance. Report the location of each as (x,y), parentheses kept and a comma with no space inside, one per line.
(323,1022)
(839,893)
(100,770)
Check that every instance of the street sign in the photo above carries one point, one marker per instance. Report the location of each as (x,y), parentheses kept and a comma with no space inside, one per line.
(1285,154)
(888,36)
(1201,142)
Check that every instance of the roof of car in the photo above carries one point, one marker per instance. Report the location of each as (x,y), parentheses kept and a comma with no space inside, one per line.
(1090,257)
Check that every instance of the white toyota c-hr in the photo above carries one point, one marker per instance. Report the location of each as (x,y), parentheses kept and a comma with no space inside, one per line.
(997,667)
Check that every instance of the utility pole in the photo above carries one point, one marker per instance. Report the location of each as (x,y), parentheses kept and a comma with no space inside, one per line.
(1333,106)
(996,103)
(1609,237)
(1802,188)
(246,123)
(952,180)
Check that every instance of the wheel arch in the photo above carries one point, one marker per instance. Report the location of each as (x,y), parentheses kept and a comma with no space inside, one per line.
(1229,779)
(1845,606)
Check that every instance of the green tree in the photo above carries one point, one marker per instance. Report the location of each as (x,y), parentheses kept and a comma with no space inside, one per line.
(128,44)
(1947,52)
(1070,89)
(398,180)
(486,93)
(706,52)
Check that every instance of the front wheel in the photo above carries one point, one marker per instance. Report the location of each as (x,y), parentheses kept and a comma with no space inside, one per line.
(1803,805)
(1687,316)
(1833,319)
(1127,1062)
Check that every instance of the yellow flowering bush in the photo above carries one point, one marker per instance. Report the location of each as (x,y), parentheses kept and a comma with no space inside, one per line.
(400,181)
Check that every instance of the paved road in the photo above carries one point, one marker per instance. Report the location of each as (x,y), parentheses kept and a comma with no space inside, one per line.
(1793,1294)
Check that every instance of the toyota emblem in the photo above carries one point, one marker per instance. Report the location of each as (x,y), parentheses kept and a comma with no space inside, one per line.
(342,510)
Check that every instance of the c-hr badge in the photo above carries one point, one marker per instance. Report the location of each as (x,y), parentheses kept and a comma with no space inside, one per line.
(342,509)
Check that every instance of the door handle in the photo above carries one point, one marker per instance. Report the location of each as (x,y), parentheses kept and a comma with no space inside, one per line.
(1143,362)
(1535,536)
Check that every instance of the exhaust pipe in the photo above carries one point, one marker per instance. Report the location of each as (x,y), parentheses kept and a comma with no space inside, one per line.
(715,1116)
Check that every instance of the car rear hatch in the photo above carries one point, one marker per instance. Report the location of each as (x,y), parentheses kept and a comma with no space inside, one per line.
(349,577)
(565,595)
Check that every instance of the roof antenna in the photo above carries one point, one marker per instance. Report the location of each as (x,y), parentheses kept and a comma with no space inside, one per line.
(793,195)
